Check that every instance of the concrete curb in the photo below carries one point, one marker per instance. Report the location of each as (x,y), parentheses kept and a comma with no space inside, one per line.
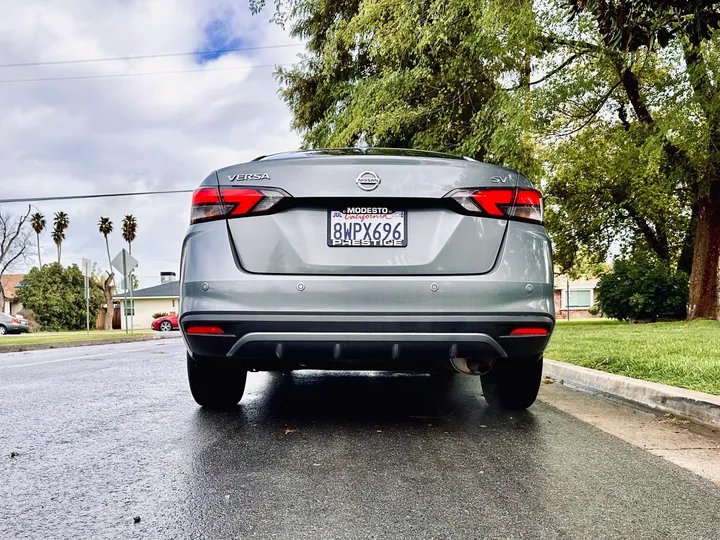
(81,343)
(695,406)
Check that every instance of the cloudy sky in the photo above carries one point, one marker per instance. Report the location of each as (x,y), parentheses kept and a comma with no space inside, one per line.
(140,133)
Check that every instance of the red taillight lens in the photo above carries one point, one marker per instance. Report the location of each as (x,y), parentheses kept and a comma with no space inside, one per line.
(211,203)
(206,204)
(528,205)
(523,204)
(529,332)
(204,330)
(16,321)
(494,201)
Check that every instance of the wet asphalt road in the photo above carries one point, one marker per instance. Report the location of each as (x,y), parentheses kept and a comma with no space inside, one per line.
(103,434)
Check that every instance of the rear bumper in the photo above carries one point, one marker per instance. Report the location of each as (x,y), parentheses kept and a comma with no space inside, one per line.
(15,328)
(380,341)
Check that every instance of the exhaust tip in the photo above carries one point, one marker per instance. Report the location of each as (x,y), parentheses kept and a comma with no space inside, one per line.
(472,366)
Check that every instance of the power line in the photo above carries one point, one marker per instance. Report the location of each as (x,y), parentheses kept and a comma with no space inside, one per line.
(147,56)
(118,75)
(93,196)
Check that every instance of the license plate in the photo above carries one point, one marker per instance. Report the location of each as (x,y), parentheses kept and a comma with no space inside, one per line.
(361,226)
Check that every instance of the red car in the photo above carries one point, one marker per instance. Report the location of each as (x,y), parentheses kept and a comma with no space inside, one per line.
(166,323)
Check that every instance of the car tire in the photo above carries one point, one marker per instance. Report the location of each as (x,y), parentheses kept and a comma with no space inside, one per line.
(3,330)
(216,383)
(513,383)
(165,326)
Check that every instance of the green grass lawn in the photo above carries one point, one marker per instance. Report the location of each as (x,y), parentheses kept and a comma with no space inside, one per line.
(676,353)
(57,337)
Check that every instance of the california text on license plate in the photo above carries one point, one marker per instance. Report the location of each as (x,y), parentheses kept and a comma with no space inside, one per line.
(367,226)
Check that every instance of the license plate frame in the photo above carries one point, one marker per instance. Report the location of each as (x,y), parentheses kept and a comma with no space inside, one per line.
(376,215)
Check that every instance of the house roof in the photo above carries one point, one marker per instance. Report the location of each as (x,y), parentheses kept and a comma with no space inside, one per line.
(165,290)
(9,282)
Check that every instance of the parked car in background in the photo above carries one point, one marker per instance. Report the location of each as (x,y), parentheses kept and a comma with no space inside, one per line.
(12,325)
(165,323)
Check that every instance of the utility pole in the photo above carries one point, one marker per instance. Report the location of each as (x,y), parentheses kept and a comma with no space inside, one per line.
(86,266)
(125,304)
(567,295)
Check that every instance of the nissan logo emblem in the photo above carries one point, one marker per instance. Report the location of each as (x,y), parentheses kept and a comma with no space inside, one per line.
(368,181)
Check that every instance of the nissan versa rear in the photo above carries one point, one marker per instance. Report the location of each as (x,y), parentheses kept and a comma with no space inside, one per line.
(376,259)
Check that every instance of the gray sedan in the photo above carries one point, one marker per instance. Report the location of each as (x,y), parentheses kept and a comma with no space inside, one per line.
(12,325)
(367,258)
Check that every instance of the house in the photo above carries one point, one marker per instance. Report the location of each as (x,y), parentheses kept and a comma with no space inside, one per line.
(163,298)
(10,282)
(582,297)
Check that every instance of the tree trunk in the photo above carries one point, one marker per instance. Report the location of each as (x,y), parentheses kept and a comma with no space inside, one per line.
(109,308)
(38,245)
(704,293)
(685,261)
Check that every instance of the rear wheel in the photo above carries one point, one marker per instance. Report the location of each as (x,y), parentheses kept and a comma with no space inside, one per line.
(216,383)
(513,384)
(165,326)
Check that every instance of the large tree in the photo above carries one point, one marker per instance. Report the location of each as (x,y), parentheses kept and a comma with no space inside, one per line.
(15,245)
(37,220)
(61,222)
(617,99)
(684,118)
(56,296)
(105,226)
(412,74)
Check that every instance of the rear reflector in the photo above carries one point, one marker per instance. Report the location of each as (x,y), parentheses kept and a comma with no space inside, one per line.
(204,330)
(529,332)
(213,203)
(523,204)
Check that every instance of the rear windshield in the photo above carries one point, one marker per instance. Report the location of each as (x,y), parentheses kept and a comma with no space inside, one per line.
(358,152)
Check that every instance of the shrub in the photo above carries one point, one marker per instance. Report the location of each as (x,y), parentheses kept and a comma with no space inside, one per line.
(56,296)
(643,288)
(158,315)
(593,310)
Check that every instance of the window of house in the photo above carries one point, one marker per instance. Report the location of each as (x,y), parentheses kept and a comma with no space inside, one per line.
(130,307)
(579,298)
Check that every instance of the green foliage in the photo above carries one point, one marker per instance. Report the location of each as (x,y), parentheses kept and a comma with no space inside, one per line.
(432,75)
(594,310)
(159,314)
(56,296)
(643,288)
(612,106)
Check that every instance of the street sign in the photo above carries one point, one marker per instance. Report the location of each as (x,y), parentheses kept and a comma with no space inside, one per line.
(86,267)
(124,266)
(125,263)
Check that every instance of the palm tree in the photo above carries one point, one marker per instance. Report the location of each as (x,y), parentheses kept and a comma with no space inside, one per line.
(129,230)
(105,226)
(60,223)
(37,220)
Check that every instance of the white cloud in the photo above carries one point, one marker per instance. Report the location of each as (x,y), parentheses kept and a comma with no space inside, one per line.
(132,133)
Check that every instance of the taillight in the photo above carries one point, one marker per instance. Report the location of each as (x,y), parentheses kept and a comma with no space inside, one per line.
(529,332)
(206,205)
(16,321)
(213,203)
(525,204)
(205,330)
